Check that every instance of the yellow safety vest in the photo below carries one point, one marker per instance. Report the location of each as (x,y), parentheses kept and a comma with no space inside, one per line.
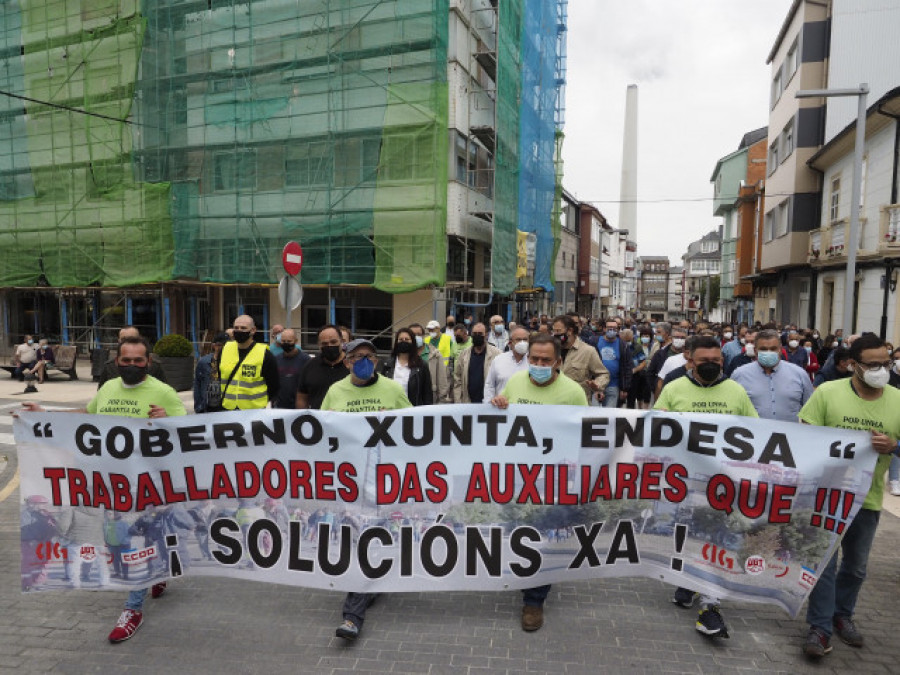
(247,389)
(443,346)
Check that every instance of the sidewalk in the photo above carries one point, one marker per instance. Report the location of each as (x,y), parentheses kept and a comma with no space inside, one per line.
(222,626)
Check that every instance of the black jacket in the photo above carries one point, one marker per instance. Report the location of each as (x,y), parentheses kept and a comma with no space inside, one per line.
(418,390)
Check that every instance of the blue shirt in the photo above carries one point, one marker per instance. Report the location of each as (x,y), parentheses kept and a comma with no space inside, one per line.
(778,396)
(731,349)
(609,352)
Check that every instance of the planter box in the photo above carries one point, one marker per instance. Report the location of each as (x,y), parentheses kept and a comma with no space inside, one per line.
(179,371)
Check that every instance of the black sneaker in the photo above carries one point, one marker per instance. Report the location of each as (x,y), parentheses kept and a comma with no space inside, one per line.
(347,630)
(711,623)
(846,629)
(817,643)
(684,597)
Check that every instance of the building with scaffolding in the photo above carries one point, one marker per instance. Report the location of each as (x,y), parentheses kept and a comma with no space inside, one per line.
(155,157)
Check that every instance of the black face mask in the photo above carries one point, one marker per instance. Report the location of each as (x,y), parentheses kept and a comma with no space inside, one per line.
(331,352)
(477,340)
(404,347)
(287,348)
(132,374)
(241,336)
(709,372)
(461,339)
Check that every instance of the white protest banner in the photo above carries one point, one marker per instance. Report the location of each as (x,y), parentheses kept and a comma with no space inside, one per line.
(460,497)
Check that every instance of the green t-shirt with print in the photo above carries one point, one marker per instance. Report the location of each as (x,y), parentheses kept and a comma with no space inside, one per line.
(726,398)
(382,394)
(117,398)
(562,391)
(835,404)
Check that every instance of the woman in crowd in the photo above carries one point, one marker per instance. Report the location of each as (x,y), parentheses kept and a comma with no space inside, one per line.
(44,358)
(408,369)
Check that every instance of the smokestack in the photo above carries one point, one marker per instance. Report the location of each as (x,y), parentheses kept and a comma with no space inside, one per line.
(628,188)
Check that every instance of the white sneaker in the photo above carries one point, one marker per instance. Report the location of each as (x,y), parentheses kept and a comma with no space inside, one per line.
(895,488)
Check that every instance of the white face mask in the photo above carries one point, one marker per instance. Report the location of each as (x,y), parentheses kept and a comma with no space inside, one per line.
(793,344)
(727,336)
(521,348)
(750,350)
(877,379)
(678,343)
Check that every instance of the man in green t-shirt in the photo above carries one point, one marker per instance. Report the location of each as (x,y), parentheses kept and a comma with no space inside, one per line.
(134,393)
(705,389)
(363,390)
(542,383)
(862,402)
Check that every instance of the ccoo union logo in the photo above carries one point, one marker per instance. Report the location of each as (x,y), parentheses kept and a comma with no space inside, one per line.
(755,564)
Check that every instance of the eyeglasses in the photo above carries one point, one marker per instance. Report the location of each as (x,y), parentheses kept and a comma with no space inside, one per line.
(356,357)
(876,366)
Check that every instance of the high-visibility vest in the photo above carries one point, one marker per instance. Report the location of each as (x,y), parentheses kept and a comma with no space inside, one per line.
(443,346)
(247,389)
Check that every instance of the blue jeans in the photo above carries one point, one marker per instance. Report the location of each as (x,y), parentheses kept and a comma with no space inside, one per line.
(534,597)
(835,593)
(612,397)
(894,469)
(136,599)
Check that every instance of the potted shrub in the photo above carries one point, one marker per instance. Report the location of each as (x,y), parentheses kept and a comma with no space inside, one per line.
(175,354)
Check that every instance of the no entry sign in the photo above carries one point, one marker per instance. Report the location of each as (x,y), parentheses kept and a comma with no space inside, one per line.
(292,258)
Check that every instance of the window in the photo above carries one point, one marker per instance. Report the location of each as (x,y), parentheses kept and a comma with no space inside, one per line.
(773,157)
(234,170)
(776,88)
(307,164)
(792,62)
(768,226)
(782,223)
(835,199)
(787,140)
(709,246)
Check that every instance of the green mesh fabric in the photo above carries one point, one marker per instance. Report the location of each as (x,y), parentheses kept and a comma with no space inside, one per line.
(222,130)
(72,211)
(506,163)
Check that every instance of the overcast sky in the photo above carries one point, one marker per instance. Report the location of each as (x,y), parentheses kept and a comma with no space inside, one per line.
(703,82)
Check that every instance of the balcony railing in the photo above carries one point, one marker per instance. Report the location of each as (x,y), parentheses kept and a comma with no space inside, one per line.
(889,228)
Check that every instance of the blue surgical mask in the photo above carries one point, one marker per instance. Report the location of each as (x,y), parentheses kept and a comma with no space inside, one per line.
(540,374)
(645,339)
(419,341)
(611,333)
(768,359)
(364,369)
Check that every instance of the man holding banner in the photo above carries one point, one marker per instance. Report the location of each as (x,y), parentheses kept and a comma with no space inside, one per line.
(363,390)
(705,389)
(133,394)
(541,383)
(862,402)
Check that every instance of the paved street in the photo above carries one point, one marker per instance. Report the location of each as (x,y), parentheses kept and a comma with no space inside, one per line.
(224,626)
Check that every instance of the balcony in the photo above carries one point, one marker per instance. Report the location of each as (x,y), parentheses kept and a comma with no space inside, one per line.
(829,244)
(889,230)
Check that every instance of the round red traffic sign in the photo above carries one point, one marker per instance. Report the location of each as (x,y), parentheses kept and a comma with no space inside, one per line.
(292,258)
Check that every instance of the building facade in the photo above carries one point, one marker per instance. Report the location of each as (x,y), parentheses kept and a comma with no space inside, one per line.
(702,267)
(169,150)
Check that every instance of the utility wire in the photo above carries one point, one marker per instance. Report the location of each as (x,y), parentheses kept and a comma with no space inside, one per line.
(65,107)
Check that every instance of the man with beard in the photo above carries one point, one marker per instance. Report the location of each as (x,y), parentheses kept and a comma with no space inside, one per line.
(324,370)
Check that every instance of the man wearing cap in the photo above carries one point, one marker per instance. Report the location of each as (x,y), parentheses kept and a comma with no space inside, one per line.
(442,342)
(247,370)
(207,390)
(363,390)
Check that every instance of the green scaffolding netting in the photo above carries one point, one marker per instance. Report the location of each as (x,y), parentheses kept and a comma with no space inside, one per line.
(70,209)
(219,131)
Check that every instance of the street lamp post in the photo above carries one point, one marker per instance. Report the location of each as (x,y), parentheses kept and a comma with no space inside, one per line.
(861,93)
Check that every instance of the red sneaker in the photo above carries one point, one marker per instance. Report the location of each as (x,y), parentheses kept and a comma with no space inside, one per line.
(129,621)
(158,590)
